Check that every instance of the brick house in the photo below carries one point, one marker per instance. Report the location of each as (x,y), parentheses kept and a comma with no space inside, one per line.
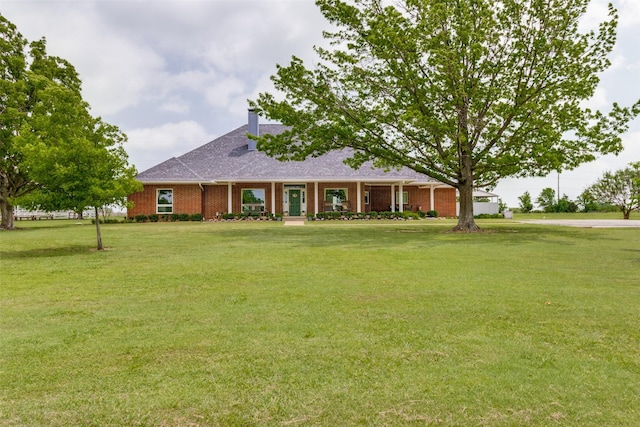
(229,175)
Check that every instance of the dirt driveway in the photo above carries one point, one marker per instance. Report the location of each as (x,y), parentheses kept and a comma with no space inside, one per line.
(587,223)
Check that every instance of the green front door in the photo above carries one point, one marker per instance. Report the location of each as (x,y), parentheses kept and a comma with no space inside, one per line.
(294,202)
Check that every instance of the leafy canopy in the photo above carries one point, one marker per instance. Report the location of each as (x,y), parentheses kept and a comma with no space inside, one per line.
(466,91)
(53,153)
(620,188)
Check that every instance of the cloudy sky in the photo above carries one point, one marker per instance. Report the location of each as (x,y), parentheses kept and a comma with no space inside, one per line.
(174,74)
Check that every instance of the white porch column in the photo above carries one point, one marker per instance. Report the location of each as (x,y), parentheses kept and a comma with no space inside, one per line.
(229,198)
(401,201)
(315,197)
(273,197)
(393,198)
(432,202)
(359,207)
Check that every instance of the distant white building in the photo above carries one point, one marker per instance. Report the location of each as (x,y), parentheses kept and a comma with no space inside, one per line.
(491,206)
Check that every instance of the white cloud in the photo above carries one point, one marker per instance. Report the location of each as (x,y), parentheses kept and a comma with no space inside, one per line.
(175,105)
(150,146)
(629,11)
(219,93)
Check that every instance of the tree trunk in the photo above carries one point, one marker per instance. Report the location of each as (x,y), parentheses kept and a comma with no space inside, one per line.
(7,216)
(466,223)
(100,247)
(626,213)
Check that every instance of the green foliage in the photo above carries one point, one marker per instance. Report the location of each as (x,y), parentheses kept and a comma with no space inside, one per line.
(141,218)
(587,202)
(432,214)
(54,155)
(526,205)
(154,218)
(410,215)
(565,205)
(466,92)
(489,216)
(620,188)
(547,199)
(195,217)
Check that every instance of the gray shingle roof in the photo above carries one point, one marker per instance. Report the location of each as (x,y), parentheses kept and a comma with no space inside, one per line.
(227,159)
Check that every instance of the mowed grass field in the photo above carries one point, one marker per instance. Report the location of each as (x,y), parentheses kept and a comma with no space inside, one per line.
(371,323)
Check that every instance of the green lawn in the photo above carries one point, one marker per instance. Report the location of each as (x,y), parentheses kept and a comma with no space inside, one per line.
(390,323)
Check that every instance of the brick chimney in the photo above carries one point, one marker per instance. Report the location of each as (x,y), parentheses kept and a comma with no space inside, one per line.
(254,129)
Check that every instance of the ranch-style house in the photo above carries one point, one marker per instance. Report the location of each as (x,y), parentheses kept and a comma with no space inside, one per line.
(229,175)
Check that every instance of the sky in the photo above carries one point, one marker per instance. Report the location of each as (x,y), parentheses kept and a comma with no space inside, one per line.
(175,74)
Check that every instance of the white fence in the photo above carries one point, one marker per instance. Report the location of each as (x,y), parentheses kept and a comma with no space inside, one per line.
(20,213)
(482,208)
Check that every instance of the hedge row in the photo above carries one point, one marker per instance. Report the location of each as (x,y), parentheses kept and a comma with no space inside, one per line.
(167,217)
(370,215)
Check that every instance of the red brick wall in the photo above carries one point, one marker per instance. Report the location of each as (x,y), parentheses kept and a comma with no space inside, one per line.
(186,199)
(379,198)
(445,201)
(213,199)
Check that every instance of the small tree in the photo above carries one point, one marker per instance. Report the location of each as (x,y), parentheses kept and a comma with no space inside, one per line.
(565,205)
(620,188)
(526,205)
(587,202)
(547,199)
(87,168)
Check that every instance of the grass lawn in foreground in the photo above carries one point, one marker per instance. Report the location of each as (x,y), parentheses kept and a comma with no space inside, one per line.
(371,323)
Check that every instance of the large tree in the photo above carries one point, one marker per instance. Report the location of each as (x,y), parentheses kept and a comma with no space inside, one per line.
(53,153)
(465,91)
(620,188)
(29,80)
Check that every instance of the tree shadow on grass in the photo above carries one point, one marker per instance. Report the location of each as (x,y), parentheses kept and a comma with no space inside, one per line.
(48,252)
(416,235)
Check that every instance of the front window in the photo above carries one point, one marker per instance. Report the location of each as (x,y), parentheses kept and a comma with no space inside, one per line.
(164,201)
(405,197)
(336,196)
(253,200)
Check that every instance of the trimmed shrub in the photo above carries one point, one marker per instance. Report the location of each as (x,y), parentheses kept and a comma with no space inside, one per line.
(195,217)
(141,218)
(486,216)
(153,218)
(410,215)
(432,214)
